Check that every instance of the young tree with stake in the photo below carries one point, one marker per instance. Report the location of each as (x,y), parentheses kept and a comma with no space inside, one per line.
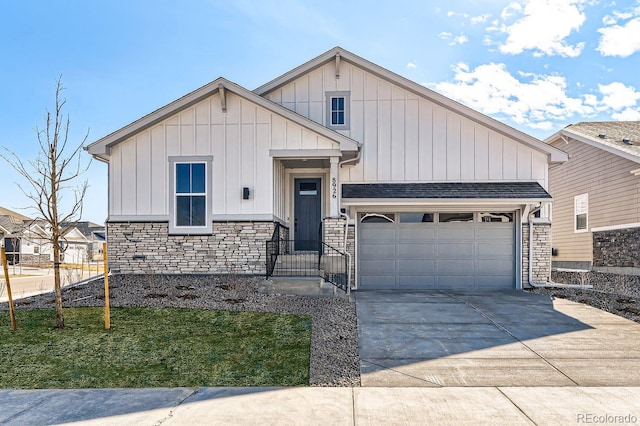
(50,176)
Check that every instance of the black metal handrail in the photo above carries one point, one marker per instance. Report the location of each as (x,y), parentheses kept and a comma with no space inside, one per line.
(335,267)
(324,261)
(273,249)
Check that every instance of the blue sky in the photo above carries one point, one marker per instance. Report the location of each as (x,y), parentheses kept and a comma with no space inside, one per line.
(536,65)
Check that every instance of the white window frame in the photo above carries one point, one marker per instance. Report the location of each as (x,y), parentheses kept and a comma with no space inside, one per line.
(346,95)
(174,229)
(581,207)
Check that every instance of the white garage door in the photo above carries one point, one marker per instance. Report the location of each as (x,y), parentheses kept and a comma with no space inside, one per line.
(449,251)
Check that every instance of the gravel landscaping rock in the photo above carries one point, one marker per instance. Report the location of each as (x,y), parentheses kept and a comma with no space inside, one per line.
(334,335)
(619,300)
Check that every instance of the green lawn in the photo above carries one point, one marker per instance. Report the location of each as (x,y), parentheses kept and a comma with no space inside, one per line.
(152,347)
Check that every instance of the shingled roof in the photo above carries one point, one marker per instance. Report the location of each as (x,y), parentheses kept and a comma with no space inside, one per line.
(622,137)
(452,190)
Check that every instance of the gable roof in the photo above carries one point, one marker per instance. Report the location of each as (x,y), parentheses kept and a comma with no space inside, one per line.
(339,54)
(606,135)
(99,148)
(7,212)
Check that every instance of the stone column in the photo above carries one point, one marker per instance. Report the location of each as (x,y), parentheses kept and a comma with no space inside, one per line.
(333,188)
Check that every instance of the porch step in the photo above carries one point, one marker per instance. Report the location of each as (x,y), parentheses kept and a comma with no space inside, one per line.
(300,286)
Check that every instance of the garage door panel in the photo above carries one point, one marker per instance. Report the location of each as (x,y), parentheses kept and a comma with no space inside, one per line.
(414,232)
(416,267)
(378,281)
(495,267)
(455,232)
(456,282)
(379,266)
(455,250)
(455,267)
(382,232)
(417,281)
(489,231)
(417,251)
(378,251)
(489,249)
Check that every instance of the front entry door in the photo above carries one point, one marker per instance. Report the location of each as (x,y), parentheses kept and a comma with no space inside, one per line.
(307,208)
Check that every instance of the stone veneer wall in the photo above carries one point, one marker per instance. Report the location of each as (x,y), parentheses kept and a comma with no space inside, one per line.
(541,253)
(147,247)
(617,248)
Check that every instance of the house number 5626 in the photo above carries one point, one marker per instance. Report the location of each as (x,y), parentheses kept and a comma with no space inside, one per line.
(334,188)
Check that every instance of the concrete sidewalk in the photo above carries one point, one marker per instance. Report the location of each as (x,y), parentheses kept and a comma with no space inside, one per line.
(343,406)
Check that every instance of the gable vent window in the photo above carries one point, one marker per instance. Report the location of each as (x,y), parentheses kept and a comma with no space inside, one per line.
(191,195)
(581,212)
(338,104)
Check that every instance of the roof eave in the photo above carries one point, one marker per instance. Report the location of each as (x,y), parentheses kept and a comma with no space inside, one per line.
(568,134)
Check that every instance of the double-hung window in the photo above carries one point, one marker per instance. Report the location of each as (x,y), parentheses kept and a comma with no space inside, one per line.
(338,110)
(581,212)
(190,195)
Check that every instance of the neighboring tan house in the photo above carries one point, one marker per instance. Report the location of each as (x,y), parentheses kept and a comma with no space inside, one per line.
(437,195)
(596,213)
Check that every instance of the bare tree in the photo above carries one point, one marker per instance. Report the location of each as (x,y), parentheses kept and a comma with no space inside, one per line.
(50,176)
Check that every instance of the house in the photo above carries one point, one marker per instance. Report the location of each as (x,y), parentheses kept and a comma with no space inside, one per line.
(24,239)
(430,193)
(94,236)
(596,215)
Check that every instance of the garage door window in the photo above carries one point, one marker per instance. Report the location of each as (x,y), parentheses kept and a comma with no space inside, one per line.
(456,217)
(496,217)
(416,217)
(377,218)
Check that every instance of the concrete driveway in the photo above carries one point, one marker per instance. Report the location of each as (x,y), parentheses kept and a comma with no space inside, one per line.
(506,338)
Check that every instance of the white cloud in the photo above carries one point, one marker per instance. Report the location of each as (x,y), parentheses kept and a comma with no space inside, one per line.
(533,100)
(620,40)
(628,114)
(411,65)
(480,19)
(617,96)
(543,27)
(459,39)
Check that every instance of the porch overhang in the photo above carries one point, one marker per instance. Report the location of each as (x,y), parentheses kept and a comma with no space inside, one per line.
(445,194)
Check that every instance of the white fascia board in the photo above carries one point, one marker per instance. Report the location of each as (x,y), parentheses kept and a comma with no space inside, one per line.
(475,202)
(554,154)
(594,144)
(304,153)
(100,147)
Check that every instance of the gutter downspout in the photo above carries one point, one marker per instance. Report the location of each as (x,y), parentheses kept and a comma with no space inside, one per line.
(346,216)
(346,252)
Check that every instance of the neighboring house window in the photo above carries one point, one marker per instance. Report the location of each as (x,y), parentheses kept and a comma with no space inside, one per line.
(190,195)
(338,110)
(581,212)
